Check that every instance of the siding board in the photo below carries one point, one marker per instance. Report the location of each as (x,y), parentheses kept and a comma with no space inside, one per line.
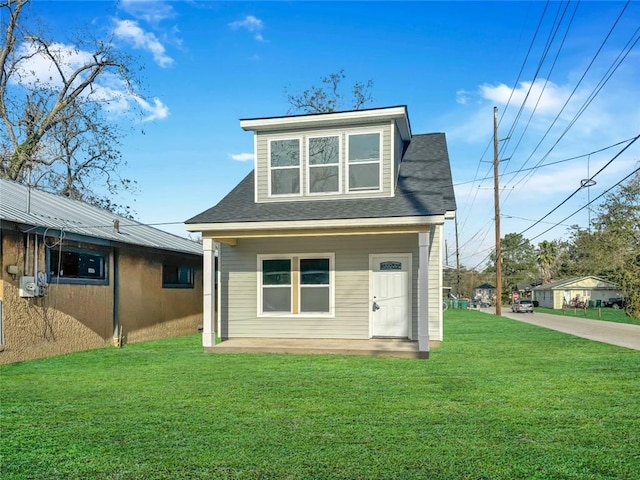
(239,311)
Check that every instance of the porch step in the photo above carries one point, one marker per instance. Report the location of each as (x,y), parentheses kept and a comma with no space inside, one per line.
(371,347)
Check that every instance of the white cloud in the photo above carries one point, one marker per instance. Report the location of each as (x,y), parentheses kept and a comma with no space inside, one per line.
(463,97)
(36,67)
(544,96)
(537,137)
(242,157)
(38,70)
(131,32)
(148,10)
(251,24)
(157,111)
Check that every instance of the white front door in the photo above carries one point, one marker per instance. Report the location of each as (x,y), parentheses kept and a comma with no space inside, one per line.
(390,313)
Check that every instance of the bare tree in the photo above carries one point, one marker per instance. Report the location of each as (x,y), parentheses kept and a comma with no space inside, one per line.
(328,97)
(55,102)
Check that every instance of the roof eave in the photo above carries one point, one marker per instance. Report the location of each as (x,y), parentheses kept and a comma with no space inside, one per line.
(399,114)
(318,224)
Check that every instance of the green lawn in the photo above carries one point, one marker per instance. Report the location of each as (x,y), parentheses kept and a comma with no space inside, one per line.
(605,314)
(498,400)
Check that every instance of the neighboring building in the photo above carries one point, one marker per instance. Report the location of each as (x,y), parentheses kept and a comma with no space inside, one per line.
(485,294)
(524,290)
(336,234)
(579,289)
(75,277)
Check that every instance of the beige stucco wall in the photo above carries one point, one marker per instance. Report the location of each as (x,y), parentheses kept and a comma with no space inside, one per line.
(147,310)
(70,318)
(80,317)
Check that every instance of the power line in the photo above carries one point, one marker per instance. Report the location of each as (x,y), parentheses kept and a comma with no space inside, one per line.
(561,222)
(547,164)
(590,99)
(580,187)
(585,206)
(489,143)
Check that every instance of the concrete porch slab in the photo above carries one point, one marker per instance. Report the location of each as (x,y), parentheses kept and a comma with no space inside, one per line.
(310,346)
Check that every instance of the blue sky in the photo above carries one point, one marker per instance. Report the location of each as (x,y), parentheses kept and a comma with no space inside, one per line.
(207,64)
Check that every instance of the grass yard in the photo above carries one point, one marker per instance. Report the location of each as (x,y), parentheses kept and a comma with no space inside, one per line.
(499,399)
(604,314)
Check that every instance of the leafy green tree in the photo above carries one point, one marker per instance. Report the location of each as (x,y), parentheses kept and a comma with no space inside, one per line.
(518,262)
(617,239)
(549,256)
(611,248)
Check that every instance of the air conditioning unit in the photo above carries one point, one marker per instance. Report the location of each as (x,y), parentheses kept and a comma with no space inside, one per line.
(28,287)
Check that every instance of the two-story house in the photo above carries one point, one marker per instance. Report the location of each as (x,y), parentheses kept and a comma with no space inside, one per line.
(335,235)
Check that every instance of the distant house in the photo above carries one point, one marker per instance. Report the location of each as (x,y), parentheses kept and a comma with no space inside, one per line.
(75,277)
(336,234)
(485,293)
(524,290)
(583,289)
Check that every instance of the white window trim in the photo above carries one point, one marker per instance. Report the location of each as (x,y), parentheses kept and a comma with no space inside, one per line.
(299,256)
(308,166)
(270,168)
(380,161)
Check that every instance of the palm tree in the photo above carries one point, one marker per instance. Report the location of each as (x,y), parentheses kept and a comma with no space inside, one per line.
(547,257)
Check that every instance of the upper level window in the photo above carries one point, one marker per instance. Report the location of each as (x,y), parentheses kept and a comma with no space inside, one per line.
(284,163)
(77,265)
(324,164)
(364,161)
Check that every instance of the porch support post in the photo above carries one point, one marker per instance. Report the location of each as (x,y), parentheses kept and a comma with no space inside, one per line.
(209,293)
(423,292)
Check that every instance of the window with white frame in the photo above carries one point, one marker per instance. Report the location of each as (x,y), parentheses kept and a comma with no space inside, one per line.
(324,164)
(284,165)
(296,285)
(363,160)
(276,285)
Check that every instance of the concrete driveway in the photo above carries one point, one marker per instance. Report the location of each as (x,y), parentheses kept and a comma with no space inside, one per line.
(621,334)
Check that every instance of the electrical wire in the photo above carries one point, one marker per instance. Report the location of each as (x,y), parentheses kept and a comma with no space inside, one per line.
(549,164)
(571,95)
(580,187)
(585,206)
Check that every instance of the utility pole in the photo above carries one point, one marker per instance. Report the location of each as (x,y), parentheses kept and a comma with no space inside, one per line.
(496,198)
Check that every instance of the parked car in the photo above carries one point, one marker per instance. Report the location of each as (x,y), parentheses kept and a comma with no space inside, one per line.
(522,306)
(615,302)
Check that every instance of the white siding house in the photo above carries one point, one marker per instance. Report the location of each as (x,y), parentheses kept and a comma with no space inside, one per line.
(336,234)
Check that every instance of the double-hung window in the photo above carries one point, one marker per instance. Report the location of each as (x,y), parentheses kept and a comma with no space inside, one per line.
(276,285)
(363,160)
(296,284)
(284,166)
(324,164)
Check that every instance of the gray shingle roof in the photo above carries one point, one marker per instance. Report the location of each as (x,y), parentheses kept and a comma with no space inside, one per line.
(41,209)
(424,188)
